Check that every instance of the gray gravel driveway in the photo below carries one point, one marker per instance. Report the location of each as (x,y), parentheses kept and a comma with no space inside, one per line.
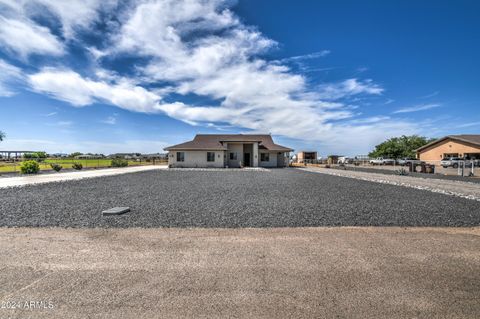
(275,198)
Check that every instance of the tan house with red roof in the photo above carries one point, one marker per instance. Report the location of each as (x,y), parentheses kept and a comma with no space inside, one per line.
(229,150)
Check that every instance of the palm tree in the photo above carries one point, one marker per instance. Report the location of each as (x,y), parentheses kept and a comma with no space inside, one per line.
(2,136)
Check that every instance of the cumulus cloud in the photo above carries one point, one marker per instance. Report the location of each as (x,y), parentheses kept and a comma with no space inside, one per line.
(24,38)
(156,27)
(71,15)
(71,87)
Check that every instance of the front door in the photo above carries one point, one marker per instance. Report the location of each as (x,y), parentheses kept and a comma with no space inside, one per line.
(246,159)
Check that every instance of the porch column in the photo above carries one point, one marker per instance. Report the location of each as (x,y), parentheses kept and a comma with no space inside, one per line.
(255,154)
(225,155)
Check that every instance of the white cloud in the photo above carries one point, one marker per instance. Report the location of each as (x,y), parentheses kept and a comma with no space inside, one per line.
(417,108)
(72,14)
(8,74)
(470,124)
(156,27)
(64,123)
(430,95)
(25,38)
(69,86)
(349,87)
(309,56)
(111,120)
(64,126)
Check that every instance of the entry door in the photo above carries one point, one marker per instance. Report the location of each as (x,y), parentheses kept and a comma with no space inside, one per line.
(246,159)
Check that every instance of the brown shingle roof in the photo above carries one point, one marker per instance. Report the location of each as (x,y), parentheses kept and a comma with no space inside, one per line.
(214,142)
(466,138)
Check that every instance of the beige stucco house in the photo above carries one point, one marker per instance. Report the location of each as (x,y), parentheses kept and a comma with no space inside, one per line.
(229,150)
(306,156)
(467,146)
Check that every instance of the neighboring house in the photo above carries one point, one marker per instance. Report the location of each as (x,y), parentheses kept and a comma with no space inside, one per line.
(305,156)
(233,150)
(125,155)
(467,146)
(59,155)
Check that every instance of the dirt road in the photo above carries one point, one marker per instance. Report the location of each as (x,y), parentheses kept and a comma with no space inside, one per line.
(245,273)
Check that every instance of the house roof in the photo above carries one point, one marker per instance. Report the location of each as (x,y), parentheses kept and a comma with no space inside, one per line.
(215,142)
(466,138)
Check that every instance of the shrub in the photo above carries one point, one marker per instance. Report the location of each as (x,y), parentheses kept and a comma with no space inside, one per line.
(29,167)
(77,166)
(118,162)
(56,167)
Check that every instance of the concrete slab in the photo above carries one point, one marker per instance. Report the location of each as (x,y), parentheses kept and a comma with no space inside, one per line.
(242,273)
(48,178)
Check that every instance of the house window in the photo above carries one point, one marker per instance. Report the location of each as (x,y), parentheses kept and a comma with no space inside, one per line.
(233,156)
(210,157)
(180,156)
(264,157)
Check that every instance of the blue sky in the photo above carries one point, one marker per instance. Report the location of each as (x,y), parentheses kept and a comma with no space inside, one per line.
(332,76)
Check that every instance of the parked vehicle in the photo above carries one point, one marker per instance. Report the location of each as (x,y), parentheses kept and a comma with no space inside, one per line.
(454,162)
(407,160)
(345,160)
(382,161)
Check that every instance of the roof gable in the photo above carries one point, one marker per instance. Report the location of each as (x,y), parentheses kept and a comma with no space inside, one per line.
(215,142)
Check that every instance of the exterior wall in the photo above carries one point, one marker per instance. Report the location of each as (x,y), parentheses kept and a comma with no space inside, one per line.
(436,151)
(272,159)
(196,159)
(235,148)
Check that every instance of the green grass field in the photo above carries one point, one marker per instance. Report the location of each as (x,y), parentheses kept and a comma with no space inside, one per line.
(8,167)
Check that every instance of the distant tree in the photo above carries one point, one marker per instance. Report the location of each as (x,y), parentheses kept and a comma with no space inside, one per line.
(399,147)
(35,155)
(2,136)
(40,154)
(75,154)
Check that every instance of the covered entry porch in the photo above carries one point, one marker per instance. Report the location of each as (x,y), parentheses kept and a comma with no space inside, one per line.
(241,154)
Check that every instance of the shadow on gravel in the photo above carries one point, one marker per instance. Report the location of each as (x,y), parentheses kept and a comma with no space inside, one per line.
(275,198)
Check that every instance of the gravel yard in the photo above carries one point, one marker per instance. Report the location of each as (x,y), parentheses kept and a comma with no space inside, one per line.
(440,172)
(274,198)
(449,187)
